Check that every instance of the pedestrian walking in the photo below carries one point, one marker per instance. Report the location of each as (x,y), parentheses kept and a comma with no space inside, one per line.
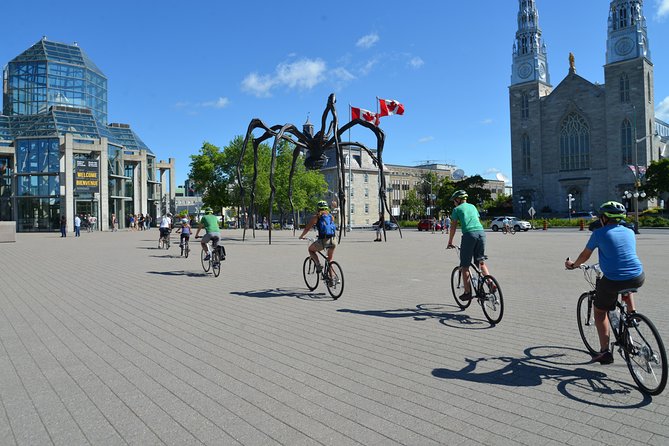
(77,226)
(63,226)
(114,223)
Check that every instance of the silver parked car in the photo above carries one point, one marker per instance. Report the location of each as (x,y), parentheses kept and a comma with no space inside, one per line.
(519,225)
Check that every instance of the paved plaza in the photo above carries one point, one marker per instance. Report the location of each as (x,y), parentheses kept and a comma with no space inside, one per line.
(106,340)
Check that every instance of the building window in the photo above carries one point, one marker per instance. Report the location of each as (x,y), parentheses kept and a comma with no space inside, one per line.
(352,208)
(352,192)
(524,106)
(366,178)
(626,142)
(525,156)
(622,17)
(649,86)
(366,208)
(574,143)
(624,88)
(366,193)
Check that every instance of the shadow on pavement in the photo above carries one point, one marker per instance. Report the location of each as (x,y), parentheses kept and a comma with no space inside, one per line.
(424,312)
(283,292)
(591,387)
(179,273)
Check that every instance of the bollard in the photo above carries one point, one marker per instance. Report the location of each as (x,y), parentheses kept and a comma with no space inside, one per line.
(581,225)
(545,224)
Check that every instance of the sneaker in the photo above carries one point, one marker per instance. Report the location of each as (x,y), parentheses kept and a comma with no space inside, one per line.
(465,296)
(319,269)
(207,257)
(605,357)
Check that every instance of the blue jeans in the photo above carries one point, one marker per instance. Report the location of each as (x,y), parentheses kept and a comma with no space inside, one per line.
(77,232)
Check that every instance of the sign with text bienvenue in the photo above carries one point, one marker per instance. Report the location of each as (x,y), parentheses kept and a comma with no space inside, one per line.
(87,176)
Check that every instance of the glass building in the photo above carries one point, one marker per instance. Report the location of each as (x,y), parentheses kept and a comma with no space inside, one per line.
(59,155)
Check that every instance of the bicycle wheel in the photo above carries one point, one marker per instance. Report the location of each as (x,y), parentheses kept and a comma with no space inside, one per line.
(335,280)
(512,230)
(645,354)
(457,287)
(206,264)
(215,263)
(492,301)
(310,275)
(186,250)
(585,316)
(167,242)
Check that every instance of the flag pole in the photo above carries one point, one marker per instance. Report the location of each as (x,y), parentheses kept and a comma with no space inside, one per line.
(350,116)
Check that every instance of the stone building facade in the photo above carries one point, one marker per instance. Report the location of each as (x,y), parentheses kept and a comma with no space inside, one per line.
(582,140)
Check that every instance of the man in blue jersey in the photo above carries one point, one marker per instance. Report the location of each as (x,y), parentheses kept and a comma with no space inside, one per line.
(620,265)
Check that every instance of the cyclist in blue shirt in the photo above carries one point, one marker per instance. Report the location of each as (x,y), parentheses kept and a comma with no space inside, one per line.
(323,221)
(620,265)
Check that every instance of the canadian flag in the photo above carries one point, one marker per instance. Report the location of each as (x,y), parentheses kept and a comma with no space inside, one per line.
(365,115)
(390,107)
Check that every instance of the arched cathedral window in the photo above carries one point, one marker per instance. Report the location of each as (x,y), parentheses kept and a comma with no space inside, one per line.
(525,154)
(574,143)
(622,17)
(649,86)
(624,88)
(524,106)
(626,142)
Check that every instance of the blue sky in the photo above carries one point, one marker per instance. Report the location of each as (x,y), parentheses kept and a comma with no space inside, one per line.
(181,73)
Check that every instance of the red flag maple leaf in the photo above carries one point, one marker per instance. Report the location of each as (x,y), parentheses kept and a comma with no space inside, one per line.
(365,115)
(390,107)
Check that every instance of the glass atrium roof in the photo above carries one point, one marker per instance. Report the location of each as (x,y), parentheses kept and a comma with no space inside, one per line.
(61,120)
(45,50)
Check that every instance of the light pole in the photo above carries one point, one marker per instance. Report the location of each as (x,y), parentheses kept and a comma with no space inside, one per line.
(570,200)
(636,194)
(522,202)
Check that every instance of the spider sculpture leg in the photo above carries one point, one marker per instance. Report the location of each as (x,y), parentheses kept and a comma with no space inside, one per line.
(378,160)
(269,132)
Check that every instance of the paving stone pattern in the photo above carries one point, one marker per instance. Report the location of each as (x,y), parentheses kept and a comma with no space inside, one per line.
(105,340)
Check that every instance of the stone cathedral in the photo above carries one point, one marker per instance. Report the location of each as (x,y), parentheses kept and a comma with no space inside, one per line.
(582,138)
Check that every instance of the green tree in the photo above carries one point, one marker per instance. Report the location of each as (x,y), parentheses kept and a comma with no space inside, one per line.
(412,205)
(502,205)
(657,178)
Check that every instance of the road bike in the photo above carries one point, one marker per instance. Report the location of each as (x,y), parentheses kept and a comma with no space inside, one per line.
(217,255)
(331,274)
(484,288)
(164,241)
(637,339)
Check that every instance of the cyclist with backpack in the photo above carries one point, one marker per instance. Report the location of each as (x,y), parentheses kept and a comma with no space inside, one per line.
(326,227)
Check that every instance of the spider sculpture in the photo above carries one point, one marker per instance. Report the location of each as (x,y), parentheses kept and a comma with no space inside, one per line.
(315,148)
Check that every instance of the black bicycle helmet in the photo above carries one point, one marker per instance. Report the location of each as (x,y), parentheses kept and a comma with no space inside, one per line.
(613,209)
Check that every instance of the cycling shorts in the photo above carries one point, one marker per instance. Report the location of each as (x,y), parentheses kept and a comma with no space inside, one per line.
(164,232)
(325,243)
(208,236)
(472,246)
(606,293)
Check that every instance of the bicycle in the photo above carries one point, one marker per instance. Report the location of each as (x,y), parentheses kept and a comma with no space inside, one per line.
(217,255)
(331,273)
(509,230)
(185,248)
(486,289)
(164,241)
(637,339)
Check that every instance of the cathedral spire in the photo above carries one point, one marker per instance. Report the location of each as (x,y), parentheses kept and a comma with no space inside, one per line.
(628,33)
(530,61)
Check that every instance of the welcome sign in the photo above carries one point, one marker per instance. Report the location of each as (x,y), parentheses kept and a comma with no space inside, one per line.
(87,176)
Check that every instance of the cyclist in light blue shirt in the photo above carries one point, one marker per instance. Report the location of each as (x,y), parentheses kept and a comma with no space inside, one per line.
(620,265)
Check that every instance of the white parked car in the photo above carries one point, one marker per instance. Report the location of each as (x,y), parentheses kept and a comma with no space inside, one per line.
(519,225)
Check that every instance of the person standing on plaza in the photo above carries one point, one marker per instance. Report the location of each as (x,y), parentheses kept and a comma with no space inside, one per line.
(77,226)
(147,221)
(63,226)
(114,223)
(379,228)
(447,223)
(472,245)
(209,223)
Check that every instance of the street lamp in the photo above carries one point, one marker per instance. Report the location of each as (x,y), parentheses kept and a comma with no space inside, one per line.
(570,200)
(636,194)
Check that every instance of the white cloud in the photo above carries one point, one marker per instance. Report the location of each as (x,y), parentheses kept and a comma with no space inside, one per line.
(303,74)
(425,139)
(367,41)
(662,8)
(367,68)
(218,103)
(416,62)
(487,121)
(662,110)
(192,107)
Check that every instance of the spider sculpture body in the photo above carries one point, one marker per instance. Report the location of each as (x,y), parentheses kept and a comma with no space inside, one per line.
(315,146)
